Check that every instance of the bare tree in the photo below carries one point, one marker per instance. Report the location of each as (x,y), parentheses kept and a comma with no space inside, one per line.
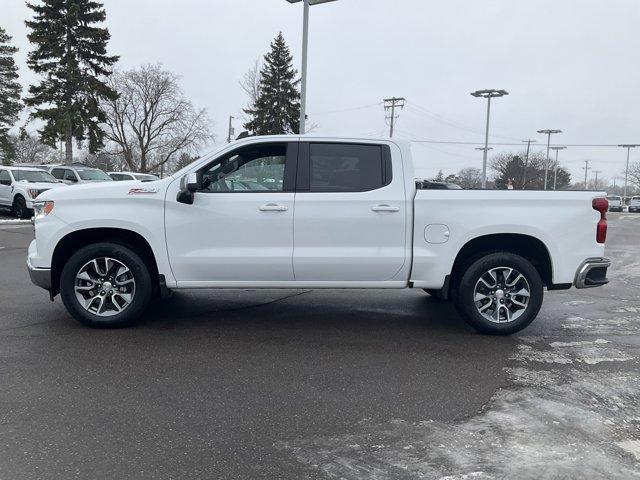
(152,121)
(250,83)
(470,178)
(634,174)
(29,149)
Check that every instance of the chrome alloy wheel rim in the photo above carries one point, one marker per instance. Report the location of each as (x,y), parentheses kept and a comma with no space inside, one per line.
(502,294)
(104,286)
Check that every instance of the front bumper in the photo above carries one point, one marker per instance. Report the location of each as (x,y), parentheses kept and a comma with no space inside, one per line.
(634,209)
(40,276)
(592,273)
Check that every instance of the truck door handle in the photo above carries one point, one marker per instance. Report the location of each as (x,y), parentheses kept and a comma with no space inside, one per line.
(272,207)
(385,208)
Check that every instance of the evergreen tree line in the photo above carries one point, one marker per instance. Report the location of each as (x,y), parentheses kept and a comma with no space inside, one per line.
(102,116)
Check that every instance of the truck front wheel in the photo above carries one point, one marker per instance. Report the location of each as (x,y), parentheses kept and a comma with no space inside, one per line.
(500,294)
(19,207)
(105,285)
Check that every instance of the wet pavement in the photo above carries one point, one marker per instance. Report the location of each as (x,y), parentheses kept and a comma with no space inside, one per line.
(322,384)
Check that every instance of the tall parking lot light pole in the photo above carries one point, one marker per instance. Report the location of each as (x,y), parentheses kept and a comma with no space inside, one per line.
(548,132)
(305,48)
(628,146)
(488,94)
(555,170)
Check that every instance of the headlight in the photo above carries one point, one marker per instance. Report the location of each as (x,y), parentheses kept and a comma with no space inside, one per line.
(42,209)
(33,193)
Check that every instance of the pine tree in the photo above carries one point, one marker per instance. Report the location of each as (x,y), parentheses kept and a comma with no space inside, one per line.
(277,108)
(10,104)
(71,53)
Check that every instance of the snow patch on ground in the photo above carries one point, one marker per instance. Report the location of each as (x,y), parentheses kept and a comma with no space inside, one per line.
(602,326)
(13,221)
(575,303)
(627,309)
(564,417)
(567,353)
(631,446)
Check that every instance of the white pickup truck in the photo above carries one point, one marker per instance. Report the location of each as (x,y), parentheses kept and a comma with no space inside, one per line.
(310,212)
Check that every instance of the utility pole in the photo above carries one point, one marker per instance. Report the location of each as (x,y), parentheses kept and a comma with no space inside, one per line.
(548,132)
(231,131)
(488,94)
(595,182)
(526,162)
(628,146)
(392,104)
(586,169)
(555,170)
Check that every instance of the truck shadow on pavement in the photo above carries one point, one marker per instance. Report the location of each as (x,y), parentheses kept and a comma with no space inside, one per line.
(359,311)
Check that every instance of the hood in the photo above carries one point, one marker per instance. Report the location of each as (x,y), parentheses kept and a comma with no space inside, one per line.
(40,185)
(101,190)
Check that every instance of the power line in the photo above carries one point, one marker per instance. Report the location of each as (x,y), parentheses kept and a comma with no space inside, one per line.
(344,110)
(503,144)
(450,122)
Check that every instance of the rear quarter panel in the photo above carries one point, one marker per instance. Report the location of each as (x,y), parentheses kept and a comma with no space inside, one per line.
(564,222)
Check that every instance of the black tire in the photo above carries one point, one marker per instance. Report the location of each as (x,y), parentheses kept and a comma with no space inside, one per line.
(20,209)
(464,298)
(141,297)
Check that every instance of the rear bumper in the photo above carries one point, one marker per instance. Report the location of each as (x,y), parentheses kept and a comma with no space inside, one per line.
(592,273)
(39,276)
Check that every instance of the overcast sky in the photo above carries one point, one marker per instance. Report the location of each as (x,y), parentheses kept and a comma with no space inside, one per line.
(567,64)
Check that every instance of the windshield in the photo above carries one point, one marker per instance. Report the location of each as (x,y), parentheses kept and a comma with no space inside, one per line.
(92,174)
(614,198)
(145,178)
(32,176)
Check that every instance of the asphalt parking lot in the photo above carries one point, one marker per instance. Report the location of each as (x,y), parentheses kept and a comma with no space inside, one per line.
(321,384)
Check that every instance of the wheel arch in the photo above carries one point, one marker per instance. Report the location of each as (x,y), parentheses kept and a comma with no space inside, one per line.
(78,239)
(527,246)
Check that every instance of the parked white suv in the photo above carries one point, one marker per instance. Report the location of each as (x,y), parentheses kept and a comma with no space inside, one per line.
(19,186)
(73,174)
(310,212)
(634,205)
(615,203)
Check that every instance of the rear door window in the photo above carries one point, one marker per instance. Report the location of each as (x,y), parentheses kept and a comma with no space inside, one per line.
(344,167)
(70,176)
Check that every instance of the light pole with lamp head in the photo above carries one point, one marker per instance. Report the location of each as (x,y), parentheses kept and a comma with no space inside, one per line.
(628,146)
(305,48)
(555,170)
(548,132)
(488,94)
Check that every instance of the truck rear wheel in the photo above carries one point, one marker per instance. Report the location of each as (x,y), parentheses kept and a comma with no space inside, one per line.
(499,293)
(105,285)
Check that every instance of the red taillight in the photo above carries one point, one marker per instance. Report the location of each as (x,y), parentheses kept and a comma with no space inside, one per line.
(601,205)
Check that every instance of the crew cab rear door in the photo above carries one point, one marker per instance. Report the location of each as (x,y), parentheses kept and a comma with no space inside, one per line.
(239,229)
(350,213)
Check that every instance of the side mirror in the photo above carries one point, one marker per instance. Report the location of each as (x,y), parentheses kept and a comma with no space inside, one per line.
(192,182)
(189,185)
